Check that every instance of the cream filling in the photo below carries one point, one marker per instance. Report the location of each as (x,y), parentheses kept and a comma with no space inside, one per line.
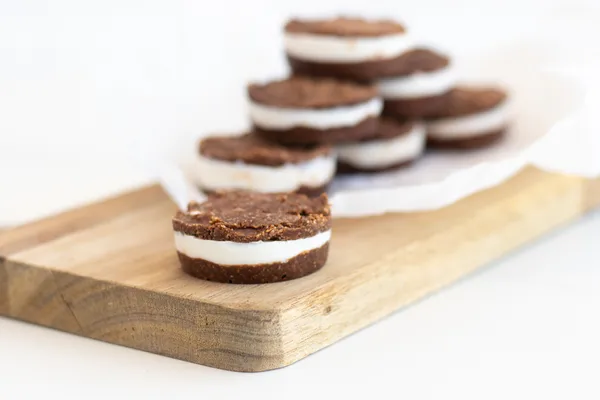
(214,174)
(253,253)
(278,118)
(423,84)
(336,49)
(471,125)
(385,152)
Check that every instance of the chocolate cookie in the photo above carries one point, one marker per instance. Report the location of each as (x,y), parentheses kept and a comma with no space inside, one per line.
(350,48)
(419,86)
(470,118)
(345,27)
(396,144)
(305,111)
(244,237)
(309,93)
(250,162)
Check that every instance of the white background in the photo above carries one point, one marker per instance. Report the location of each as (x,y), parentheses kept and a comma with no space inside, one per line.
(82,83)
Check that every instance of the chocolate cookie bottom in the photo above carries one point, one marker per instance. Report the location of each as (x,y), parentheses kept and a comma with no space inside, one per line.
(313,191)
(467,143)
(365,71)
(307,190)
(414,108)
(308,136)
(345,168)
(303,264)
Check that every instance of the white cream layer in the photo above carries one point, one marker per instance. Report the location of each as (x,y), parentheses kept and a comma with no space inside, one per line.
(470,125)
(214,174)
(336,49)
(253,253)
(385,152)
(423,84)
(278,118)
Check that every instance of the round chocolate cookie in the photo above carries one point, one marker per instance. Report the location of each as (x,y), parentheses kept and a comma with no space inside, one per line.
(245,237)
(348,48)
(396,144)
(420,83)
(304,111)
(345,27)
(250,162)
(470,118)
(309,93)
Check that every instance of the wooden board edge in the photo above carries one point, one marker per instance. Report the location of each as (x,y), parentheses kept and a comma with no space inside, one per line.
(188,330)
(591,195)
(332,313)
(30,294)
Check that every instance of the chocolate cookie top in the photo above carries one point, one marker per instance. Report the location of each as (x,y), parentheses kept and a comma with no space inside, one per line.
(304,92)
(389,128)
(470,100)
(253,149)
(244,217)
(350,27)
(419,60)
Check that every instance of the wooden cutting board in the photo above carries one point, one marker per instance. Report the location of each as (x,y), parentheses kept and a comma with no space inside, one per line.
(109,271)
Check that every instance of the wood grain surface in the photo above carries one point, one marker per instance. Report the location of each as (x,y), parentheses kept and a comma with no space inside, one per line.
(109,271)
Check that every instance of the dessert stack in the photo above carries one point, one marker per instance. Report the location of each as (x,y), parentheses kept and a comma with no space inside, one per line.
(362,97)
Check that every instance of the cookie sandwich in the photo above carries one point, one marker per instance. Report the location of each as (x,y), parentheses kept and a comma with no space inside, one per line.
(303,111)
(247,237)
(250,162)
(471,117)
(345,48)
(396,144)
(419,85)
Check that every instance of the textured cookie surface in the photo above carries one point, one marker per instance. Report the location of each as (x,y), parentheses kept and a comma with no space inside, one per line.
(354,27)
(389,128)
(249,217)
(253,149)
(419,60)
(304,92)
(469,100)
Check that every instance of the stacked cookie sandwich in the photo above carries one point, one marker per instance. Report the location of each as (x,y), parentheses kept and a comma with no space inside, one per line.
(419,87)
(363,97)
(296,124)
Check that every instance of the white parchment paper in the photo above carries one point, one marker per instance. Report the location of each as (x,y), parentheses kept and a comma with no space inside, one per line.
(553,128)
